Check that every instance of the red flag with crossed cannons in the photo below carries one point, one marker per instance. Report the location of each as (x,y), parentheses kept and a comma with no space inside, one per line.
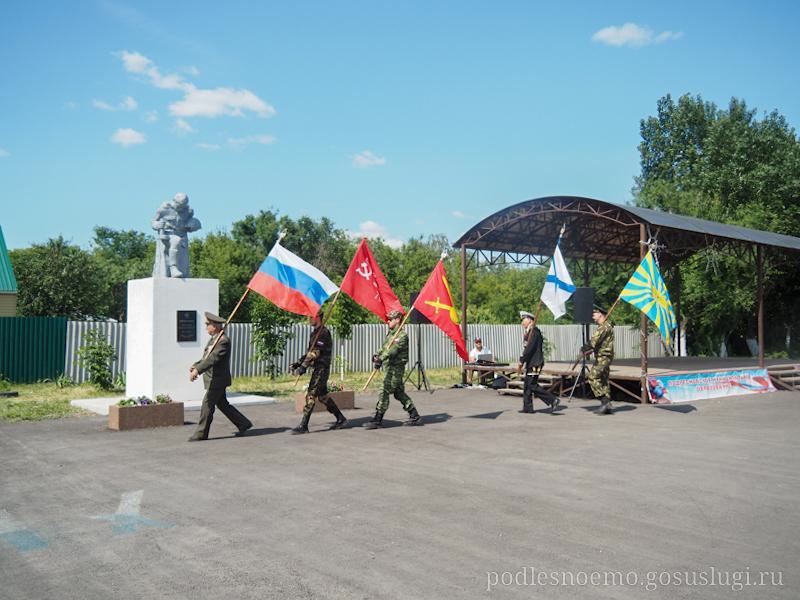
(436,302)
(365,284)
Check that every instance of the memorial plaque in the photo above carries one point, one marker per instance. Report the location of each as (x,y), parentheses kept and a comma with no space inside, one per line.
(187,325)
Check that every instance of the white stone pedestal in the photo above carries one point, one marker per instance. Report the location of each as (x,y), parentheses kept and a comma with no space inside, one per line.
(156,362)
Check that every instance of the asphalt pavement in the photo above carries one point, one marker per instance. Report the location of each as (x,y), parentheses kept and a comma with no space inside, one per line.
(480,502)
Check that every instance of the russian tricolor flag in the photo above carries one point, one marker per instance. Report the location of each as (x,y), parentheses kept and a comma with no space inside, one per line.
(291,283)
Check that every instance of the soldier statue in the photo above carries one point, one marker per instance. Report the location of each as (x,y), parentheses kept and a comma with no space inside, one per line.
(173,221)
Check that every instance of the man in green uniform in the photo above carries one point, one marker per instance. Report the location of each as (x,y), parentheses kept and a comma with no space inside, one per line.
(318,357)
(215,367)
(394,353)
(602,344)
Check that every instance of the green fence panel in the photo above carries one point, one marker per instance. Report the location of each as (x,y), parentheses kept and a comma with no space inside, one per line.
(32,348)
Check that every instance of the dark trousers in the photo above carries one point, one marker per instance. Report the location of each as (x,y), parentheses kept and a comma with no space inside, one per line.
(215,398)
(532,388)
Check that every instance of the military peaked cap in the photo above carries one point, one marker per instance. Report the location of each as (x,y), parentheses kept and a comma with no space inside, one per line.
(212,318)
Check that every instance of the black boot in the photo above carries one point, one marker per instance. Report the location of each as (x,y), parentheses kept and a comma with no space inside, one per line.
(555,404)
(605,406)
(334,410)
(376,422)
(413,417)
(303,426)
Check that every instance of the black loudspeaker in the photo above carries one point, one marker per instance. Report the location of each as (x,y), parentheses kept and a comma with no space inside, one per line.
(417,318)
(582,304)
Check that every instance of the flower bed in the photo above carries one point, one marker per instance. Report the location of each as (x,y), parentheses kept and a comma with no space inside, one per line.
(142,413)
(344,399)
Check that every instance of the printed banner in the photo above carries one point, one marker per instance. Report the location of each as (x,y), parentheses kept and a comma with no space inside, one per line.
(668,389)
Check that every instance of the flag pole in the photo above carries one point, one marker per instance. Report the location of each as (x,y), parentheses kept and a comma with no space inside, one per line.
(539,306)
(281,235)
(228,320)
(325,318)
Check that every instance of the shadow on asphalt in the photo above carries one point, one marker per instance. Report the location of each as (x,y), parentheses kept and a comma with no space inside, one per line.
(615,406)
(491,415)
(389,423)
(251,433)
(682,408)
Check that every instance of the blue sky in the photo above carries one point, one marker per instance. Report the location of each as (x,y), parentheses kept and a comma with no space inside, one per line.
(393,118)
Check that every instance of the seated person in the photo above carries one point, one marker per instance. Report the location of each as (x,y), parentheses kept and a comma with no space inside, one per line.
(477,350)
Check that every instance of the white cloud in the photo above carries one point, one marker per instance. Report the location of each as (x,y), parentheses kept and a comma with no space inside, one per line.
(219,101)
(208,147)
(197,102)
(458,214)
(151,116)
(631,34)
(135,62)
(366,159)
(373,230)
(102,105)
(251,139)
(665,36)
(182,127)
(127,137)
(127,103)
(4,153)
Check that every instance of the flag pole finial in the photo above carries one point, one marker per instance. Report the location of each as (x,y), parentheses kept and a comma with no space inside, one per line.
(281,235)
(444,255)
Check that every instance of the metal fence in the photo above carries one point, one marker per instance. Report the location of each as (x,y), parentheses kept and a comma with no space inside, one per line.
(77,330)
(31,348)
(355,353)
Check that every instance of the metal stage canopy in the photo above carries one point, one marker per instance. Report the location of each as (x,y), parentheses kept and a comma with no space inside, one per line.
(599,231)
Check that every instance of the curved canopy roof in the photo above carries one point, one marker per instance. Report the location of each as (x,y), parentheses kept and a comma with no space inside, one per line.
(603,231)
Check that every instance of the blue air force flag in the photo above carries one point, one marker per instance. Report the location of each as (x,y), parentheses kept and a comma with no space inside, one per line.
(558,287)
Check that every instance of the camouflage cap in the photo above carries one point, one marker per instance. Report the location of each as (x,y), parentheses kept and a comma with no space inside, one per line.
(212,318)
(394,314)
(600,309)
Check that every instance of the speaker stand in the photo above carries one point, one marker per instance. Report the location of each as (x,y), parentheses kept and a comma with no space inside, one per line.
(422,377)
(582,373)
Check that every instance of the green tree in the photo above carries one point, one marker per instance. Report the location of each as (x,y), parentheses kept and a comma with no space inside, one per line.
(59,279)
(219,256)
(725,165)
(121,256)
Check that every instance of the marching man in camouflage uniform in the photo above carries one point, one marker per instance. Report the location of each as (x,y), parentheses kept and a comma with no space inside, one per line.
(602,344)
(395,354)
(318,357)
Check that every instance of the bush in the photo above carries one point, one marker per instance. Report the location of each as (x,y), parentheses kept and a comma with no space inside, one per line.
(97,355)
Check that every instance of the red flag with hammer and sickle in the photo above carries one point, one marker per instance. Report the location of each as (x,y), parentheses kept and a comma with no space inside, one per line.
(436,303)
(365,284)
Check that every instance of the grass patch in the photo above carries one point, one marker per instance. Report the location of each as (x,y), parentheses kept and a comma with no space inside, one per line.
(40,401)
(14,409)
(283,387)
